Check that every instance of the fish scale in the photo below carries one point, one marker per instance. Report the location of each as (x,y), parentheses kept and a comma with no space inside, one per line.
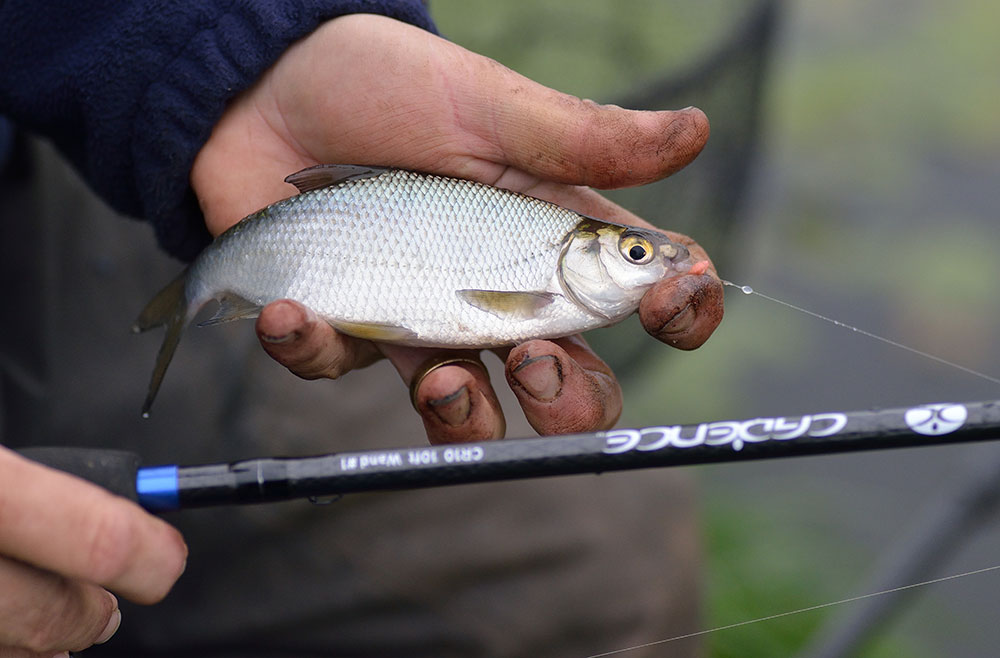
(419,259)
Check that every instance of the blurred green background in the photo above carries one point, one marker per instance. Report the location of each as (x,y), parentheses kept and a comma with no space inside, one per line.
(853,169)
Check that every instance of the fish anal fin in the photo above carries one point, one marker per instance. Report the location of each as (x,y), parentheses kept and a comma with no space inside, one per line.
(232,307)
(385,333)
(507,304)
(325,175)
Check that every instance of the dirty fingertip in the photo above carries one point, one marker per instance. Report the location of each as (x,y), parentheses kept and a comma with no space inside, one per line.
(456,407)
(557,394)
(684,311)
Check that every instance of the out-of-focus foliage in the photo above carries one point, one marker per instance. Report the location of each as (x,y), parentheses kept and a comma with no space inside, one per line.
(590,48)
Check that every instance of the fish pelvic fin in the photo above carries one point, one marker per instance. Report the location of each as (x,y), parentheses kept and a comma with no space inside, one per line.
(325,175)
(385,333)
(168,308)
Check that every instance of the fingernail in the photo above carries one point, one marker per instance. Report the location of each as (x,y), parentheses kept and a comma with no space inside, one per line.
(111,628)
(64,654)
(277,340)
(113,623)
(541,377)
(452,409)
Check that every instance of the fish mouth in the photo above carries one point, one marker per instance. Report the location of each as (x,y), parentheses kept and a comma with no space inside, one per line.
(681,255)
(677,255)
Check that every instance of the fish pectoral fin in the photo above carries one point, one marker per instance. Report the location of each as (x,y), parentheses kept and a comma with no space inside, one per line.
(507,304)
(387,333)
(232,307)
(320,176)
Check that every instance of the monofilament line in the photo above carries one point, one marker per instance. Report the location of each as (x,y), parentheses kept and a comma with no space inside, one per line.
(795,612)
(747,290)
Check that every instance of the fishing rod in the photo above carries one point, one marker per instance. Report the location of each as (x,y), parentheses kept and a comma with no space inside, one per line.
(174,487)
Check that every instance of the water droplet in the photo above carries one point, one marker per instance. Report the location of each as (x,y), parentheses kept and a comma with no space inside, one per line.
(747,290)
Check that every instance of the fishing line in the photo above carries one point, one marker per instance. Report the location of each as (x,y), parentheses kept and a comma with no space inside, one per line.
(747,290)
(795,612)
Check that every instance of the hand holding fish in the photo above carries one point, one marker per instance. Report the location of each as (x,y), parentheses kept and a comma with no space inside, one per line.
(366,89)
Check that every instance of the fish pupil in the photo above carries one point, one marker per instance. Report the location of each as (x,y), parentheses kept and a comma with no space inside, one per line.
(637,252)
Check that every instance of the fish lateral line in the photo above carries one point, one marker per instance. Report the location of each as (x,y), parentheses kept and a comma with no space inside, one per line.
(747,290)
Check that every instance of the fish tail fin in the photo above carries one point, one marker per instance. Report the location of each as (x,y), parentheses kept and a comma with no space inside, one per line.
(169,307)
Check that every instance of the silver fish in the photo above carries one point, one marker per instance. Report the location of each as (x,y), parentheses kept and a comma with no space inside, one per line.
(418,259)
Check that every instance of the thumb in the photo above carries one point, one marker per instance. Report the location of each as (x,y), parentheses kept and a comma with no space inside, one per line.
(564,139)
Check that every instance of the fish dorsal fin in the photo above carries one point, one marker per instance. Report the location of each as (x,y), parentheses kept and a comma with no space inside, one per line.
(314,178)
(506,304)
(387,333)
(232,307)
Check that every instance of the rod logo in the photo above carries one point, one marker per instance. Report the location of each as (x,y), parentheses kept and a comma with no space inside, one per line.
(735,433)
(936,419)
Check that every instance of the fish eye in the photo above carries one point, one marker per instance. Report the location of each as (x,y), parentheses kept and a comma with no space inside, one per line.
(636,249)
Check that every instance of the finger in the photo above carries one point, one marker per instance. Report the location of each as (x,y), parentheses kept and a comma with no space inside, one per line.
(470,104)
(42,612)
(298,339)
(563,386)
(683,311)
(459,113)
(442,109)
(60,523)
(455,401)
(568,140)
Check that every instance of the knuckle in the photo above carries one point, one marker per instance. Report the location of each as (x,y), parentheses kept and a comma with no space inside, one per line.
(596,134)
(322,357)
(320,365)
(110,546)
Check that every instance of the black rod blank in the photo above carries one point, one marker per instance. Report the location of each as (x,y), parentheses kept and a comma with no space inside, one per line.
(272,479)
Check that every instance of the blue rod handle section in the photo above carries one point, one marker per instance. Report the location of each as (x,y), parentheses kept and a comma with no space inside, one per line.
(156,488)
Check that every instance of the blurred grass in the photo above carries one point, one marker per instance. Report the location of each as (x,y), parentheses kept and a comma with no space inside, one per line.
(759,569)
(870,104)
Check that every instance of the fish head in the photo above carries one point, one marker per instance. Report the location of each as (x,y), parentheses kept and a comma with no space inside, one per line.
(606,268)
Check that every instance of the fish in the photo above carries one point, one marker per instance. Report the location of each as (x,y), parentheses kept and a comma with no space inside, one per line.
(418,259)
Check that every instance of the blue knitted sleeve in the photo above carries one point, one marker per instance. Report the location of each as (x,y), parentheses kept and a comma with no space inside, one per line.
(129,91)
